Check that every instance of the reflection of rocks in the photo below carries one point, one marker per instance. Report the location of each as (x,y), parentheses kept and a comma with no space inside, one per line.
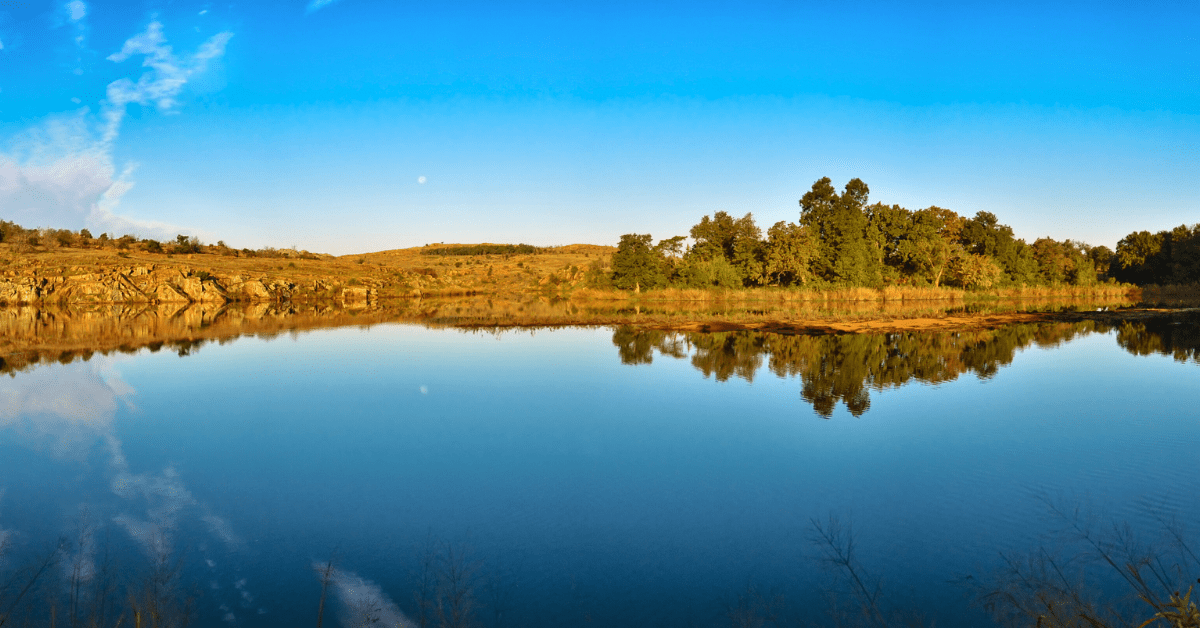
(30,335)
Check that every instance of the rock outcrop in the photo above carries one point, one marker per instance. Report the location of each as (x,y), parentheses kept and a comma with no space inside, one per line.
(137,284)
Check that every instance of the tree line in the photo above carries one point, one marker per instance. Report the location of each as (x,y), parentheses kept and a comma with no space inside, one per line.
(842,239)
(484,249)
(25,240)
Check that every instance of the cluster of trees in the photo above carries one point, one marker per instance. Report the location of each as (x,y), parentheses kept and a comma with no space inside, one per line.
(1166,257)
(25,240)
(842,239)
(484,249)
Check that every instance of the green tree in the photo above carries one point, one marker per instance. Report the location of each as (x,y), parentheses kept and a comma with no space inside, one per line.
(984,235)
(840,225)
(929,245)
(1136,259)
(1101,257)
(671,250)
(710,273)
(889,229)
(184,244)
(790,249)
(974,271)
(636,265)
(737,241)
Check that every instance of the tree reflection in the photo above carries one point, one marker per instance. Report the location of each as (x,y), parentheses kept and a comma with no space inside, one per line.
(845,368)
(1177,336)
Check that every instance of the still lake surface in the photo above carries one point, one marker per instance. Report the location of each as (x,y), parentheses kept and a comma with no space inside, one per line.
(594,476)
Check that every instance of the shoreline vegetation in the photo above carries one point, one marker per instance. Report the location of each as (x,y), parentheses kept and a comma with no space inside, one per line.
(842,249)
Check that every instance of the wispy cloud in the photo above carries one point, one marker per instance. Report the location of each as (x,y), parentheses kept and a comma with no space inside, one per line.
(76,10)
(316,5)
(74,13)
(61,173)
(164,79)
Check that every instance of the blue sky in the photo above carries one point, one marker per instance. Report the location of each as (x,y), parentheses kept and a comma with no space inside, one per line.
(358,125)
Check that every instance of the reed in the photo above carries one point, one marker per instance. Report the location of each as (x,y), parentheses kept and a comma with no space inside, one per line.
(1097,290)
(1174,291)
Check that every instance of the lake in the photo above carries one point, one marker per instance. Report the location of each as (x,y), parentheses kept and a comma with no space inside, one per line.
(607,476)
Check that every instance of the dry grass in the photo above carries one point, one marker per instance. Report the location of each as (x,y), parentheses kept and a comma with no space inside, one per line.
(1098,290)
(396,273)
(895,294)
(1184,295)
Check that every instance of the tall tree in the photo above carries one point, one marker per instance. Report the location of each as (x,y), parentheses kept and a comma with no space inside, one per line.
(737,242)
(636,265)
(790,249)
(984,235)
(1136,259)
(840,224)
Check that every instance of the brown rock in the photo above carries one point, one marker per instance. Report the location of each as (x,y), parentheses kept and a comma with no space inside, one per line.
(166,293)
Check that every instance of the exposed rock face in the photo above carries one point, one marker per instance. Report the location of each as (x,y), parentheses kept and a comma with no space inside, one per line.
(45,281)
(137,284)
(167,293)
(20,290)
(115,288)
(252,290)
(357,293)
(201,291)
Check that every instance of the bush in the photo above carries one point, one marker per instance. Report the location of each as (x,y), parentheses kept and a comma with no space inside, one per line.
(184,244)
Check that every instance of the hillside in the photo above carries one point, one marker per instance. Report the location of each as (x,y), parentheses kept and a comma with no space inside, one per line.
(80,275)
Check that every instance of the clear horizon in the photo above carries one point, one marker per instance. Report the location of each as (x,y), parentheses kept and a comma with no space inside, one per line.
(346,126)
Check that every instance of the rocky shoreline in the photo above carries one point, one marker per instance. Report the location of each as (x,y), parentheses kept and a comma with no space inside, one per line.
(153,283)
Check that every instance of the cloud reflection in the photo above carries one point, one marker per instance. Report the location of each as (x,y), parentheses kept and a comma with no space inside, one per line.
(5,535)
(63,409)
(363,603)
(70,411)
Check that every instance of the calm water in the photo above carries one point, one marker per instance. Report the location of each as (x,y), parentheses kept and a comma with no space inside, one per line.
(591,476)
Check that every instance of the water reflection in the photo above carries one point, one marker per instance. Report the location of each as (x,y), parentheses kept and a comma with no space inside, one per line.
(65,411)
(590,509)
(1177,336)
(844,368)
(30,336)
(69,411)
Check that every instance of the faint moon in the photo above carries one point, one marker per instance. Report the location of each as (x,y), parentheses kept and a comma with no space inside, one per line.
(421,179)
(424,390)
